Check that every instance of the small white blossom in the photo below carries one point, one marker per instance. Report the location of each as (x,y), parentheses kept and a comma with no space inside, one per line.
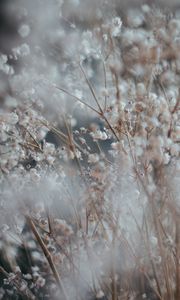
(24,30)
(175,150)
(23,286)
(35,176)
(116,27)
(116,145)
(4,66)
(167,158)
(99,135)
(27,276)
(50,159)
(154,240)
(78,93)
(4,228)
(100,295)
(93,158)
(40,282)
(21,51)
(146,8)
(12,118)
(135,18)
(3,59)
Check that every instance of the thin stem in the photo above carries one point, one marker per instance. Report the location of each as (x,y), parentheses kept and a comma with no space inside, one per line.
(25,293)
(91,89)
(48,256)
(77,98)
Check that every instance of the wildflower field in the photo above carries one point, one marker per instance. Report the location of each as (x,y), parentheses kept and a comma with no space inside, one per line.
(89,150)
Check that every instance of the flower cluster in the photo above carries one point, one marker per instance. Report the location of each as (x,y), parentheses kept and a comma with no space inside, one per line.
(89,153)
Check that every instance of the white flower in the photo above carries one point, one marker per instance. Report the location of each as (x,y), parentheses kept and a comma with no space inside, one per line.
(12,118)
(21,51)
(35,176)
(105,92)
(135,18)
(174,150)
(154,240)
(141,89)
(78,93)
(23,286)
(105,37)
(139,151)
(116,145)
(24,30)
(100,295)
(27,276)
(99,135)
(146,8)
(5,228)
(116,27)
(93,158)
(4,66)
(40,282)
(167,158)
(3,59)
(42,133)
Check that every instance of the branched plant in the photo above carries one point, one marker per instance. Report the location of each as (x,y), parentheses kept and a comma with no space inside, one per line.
(89,149)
